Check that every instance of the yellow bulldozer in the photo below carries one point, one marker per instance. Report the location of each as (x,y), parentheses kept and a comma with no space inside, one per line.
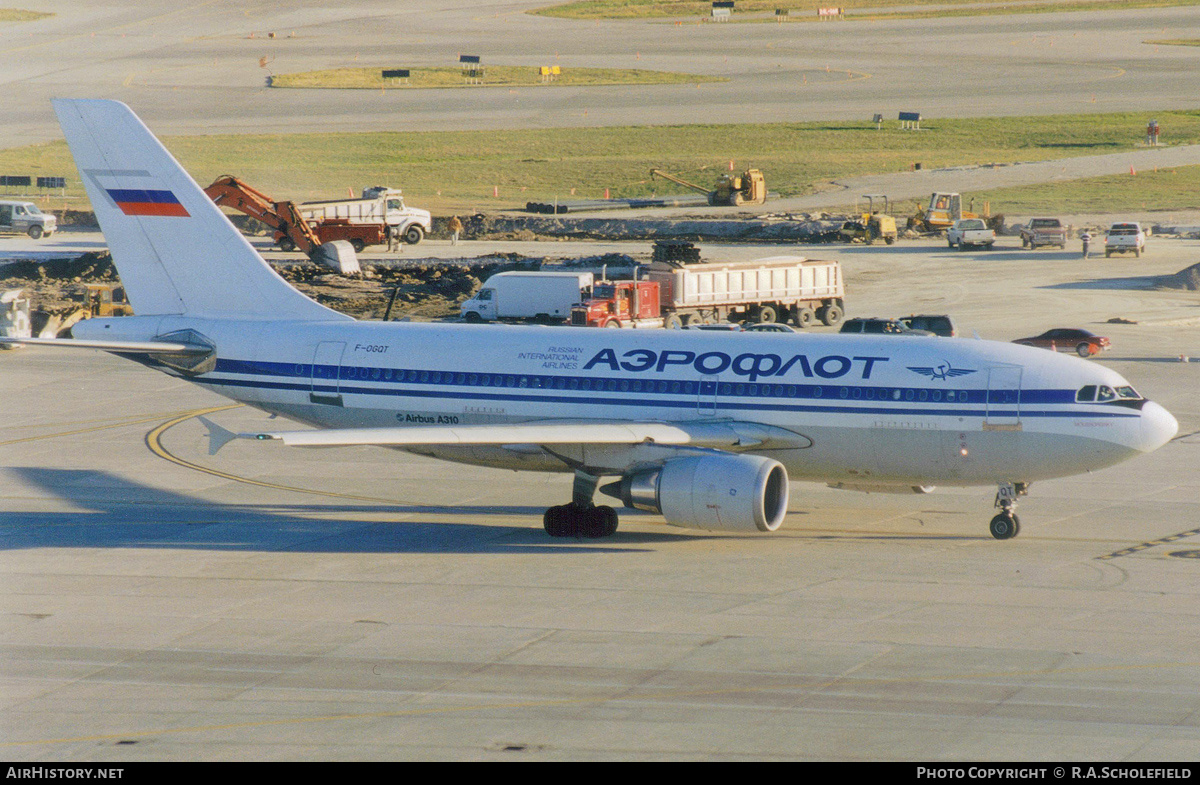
(750,187)
(946,208)
(876,222)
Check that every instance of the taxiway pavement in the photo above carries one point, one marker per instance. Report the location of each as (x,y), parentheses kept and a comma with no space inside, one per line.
(203,68)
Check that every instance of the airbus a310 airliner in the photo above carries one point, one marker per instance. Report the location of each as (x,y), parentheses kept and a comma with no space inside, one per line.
(705,428)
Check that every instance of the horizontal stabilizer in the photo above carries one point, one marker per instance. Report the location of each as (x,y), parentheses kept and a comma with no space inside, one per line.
(128,347)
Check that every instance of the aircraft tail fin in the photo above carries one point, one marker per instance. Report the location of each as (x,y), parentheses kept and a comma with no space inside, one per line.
(174,249)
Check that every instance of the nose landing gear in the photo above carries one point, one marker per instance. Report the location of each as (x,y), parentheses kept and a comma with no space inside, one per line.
(1007,525)
(581,518)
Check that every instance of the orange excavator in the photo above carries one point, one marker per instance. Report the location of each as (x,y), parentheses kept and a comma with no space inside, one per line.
(284,217)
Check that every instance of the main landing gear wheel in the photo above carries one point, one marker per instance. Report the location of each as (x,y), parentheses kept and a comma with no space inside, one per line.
(572,520)
(581,518)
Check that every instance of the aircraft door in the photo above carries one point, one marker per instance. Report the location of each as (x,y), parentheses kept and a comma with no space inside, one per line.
(706,401)
(1003,409)
(326,370)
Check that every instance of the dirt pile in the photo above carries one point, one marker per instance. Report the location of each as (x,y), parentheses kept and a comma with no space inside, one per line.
(789,228)
(429,289)
(57,286)
(1188,279)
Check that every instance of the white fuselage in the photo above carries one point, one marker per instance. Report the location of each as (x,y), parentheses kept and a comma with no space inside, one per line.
(864,409)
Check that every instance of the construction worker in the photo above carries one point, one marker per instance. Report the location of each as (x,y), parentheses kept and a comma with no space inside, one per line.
(393,238)
(455,228)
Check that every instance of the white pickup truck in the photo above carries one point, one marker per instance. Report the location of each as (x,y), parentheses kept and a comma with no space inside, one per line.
(1125,237)
(970,232)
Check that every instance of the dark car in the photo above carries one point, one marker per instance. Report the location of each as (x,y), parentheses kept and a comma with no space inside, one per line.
(876,326)
(939,324)
(1068,339)
(769,327)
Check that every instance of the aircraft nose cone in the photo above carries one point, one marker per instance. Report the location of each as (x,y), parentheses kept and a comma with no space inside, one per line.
(1158,427)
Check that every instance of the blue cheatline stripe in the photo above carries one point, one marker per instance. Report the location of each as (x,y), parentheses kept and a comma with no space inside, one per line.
(641,385)
(636,398)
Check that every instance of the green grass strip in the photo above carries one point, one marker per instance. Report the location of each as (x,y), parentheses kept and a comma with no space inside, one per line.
(19,15)
(462,170)
(493,76)
(866,10)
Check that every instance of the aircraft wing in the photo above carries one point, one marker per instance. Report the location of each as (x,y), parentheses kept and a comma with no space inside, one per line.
(698,434)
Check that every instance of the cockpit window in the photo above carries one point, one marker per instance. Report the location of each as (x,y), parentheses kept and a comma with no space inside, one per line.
(1091,393)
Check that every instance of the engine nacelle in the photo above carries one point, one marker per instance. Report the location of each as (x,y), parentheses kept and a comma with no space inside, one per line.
(736,493)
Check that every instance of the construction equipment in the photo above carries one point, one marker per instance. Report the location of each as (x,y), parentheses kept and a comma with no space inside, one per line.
(286,220)
(750,187)
(876,223)
(104,299)
(946,208)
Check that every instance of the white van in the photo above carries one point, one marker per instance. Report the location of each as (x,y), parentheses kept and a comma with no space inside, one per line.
(26,218)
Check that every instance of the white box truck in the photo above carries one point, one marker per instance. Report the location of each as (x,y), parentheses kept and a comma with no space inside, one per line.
(518,296)
(379,205)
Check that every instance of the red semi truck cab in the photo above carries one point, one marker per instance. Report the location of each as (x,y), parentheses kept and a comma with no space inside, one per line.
(618,304)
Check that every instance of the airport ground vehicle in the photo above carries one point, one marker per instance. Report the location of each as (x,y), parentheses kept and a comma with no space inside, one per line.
(532,296)
(26,218)
(876,222)
(705,430)
(873,325)
(970,232)
(938,324)
(778,288)
(1043,231)
(750,187)
(379,205)
(1125,237)
(14,317)
(943,210)
(1068,339)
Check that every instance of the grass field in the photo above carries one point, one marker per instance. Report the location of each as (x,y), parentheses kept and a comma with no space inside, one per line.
(754,10)
(1173,189)
(18,15)
(460,171)
(493,76)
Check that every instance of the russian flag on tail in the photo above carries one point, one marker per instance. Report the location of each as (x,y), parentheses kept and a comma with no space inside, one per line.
(134,201)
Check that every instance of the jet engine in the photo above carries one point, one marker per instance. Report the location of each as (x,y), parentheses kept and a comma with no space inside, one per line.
(718,492)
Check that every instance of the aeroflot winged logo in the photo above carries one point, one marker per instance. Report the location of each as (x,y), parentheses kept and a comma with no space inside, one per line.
(942,370)
(138,201)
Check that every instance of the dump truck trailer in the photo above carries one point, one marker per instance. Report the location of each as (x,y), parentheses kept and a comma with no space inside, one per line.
(379,205)
(777,288)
